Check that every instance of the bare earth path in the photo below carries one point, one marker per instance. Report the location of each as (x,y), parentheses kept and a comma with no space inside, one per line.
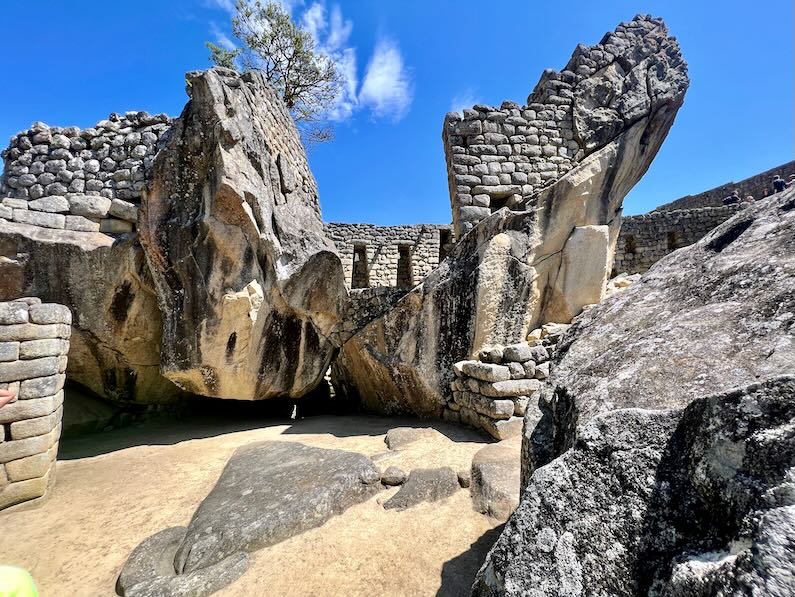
(115,489)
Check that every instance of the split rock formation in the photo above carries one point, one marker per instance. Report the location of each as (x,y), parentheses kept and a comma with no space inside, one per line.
(544,255)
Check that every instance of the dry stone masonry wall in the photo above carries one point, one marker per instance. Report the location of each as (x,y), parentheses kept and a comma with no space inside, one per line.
(495,391)
(501,157)
(647,238)
(399,256)
(34,342)
(756,186)
(83,180)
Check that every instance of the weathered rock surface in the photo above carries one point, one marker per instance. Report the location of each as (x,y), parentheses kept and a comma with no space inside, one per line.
(270,491)
(708,317)
(149,571)
(516,269)
(400,437)
(496,472)
(249,287)
(115,343)
(669,502)
(424,485)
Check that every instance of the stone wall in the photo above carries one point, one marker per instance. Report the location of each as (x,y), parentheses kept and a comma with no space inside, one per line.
(398,256)
(85,180)
(647,238)
(498,157)
(757,186)
(34,342)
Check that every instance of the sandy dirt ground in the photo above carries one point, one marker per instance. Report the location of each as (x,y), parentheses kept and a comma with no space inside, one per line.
(114,489)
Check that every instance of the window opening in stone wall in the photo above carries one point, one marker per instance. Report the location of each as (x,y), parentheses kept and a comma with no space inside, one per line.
(630,246)
(445,240)
(404,274)
(360,277)
(673,241)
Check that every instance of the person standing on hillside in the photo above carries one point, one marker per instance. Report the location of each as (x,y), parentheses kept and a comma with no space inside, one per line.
(778,184)
(732,199)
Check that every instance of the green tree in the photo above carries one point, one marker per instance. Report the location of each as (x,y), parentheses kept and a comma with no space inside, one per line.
(306,78)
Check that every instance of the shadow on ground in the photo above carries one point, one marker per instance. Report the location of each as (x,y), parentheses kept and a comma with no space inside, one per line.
(459,573)
(94,426)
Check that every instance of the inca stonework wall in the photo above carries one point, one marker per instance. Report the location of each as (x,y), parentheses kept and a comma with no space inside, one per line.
(85,180)
(647,238)
(34,342)
(376,255)
(757,186)
(499,157)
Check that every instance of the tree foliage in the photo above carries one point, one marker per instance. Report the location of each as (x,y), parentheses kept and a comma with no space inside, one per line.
(306,78)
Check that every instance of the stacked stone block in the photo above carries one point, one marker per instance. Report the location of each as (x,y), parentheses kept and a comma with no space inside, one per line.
(647,238)
(494,391)
(34,342)
(424,244)
(502,156)
(87,180)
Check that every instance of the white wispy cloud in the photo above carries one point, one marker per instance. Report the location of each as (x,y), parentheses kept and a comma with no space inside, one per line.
(221,38)
(386,88)
(465,99)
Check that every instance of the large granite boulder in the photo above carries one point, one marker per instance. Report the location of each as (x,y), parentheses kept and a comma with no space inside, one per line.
(712,316)
(221,284)
(268,492)
(115,343)
(545,258)
(679,503)
(249,287)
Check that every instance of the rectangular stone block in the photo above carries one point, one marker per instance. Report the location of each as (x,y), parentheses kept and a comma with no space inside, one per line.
(81,224)
(23,491)
(30,409)
(114,226)
(9,351)
(510,388)
(124,210)
(16,449)
(41,386)
(32,331)
(52,204)
(39,218)
(50,313)
(6,212)
(34,427)
(34,349)
(15,203)
(503,429)
(19,370)
(30,467)
(13,313)
(486,371)
(89,206)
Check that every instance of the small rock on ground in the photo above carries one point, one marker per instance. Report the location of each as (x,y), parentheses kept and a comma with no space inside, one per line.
(424,485)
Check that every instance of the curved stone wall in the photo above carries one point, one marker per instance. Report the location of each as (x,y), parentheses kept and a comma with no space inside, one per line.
(34,342)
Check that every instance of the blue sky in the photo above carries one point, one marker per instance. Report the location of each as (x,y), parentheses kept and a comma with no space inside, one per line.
(407,63)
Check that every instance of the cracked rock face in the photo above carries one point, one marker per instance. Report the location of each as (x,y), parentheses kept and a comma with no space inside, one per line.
(549,255)
(248,285)
(706,318)
(661,502)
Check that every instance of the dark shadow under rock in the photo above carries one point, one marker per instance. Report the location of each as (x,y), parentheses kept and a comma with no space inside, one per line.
(424,485)
(459,572)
